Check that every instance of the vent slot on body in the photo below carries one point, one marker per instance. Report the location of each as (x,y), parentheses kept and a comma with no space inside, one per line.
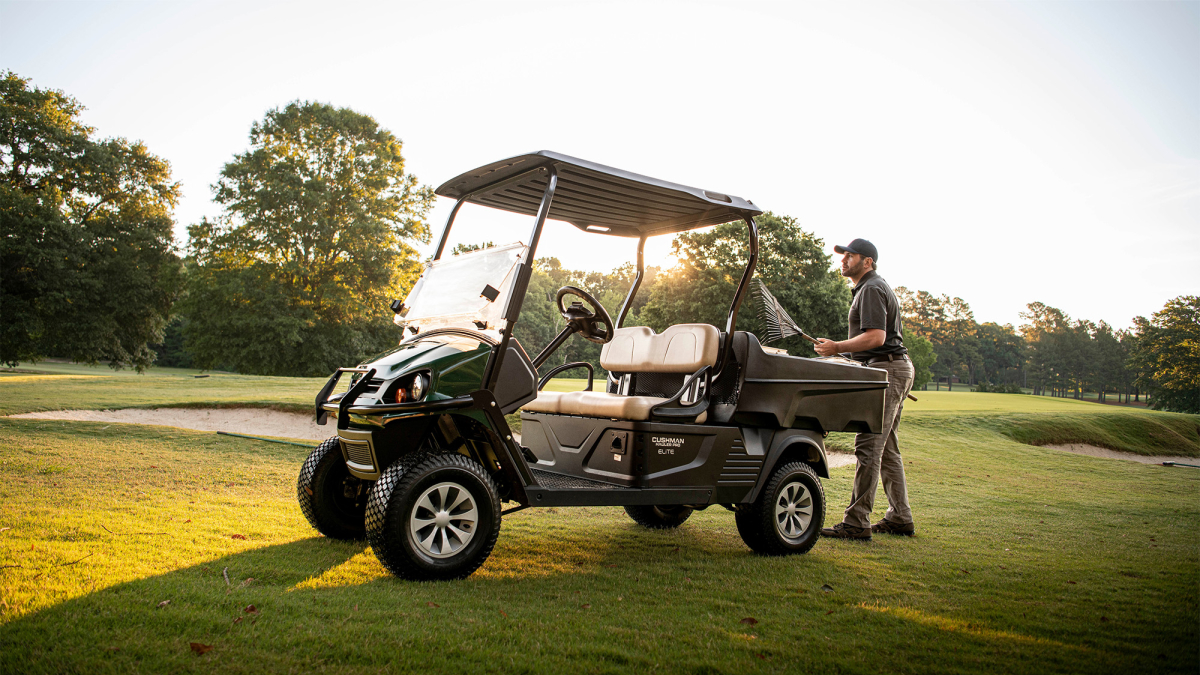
(359,452)
(740,468)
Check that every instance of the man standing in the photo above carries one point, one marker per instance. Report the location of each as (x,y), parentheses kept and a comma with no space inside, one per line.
(876,340)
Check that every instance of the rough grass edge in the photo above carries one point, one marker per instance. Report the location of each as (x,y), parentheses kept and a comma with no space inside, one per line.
(1164,434)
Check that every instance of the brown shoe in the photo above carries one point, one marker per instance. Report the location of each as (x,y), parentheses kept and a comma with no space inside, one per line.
(886,526)
(844,531)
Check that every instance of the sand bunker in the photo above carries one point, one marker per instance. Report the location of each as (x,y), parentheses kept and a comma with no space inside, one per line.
(251,421)
(1097,451)
(837,459)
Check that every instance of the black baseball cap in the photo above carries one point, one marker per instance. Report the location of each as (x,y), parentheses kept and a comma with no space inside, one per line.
(860,246)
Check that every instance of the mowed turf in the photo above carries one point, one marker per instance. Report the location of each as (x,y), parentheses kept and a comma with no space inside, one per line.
(1026,560)
(62,386)
(69,386)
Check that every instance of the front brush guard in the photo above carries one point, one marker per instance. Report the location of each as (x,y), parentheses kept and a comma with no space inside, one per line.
(322,415)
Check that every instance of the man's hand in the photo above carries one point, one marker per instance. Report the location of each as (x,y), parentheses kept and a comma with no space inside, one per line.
(826,347)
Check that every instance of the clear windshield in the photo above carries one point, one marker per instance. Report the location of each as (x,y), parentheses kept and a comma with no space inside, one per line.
(469,290)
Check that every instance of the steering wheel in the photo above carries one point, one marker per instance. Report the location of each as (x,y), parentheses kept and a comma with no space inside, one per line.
(583,321)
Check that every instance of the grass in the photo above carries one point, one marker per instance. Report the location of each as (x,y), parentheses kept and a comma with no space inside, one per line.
(968,402)
(1026,560)
(1043,420)
(62,386)
(70,386)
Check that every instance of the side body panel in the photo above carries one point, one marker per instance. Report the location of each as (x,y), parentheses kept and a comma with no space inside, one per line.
(645,455)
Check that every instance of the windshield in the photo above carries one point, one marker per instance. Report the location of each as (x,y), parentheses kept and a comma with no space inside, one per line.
(469,290)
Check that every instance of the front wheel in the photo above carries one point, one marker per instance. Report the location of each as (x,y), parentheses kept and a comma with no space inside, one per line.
(434,518)
(659,517)
(332,500)
(788,514)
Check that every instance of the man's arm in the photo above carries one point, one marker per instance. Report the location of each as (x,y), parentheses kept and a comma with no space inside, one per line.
(869,339)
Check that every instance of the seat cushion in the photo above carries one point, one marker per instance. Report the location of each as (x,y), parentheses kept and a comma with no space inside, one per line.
(546,402)
(603,404)
(683,348)
(597,404)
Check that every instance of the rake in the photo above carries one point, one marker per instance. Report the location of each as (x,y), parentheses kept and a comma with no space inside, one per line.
(779,324)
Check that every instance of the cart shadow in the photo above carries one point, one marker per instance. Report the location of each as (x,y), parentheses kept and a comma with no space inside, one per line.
(537,555)
(304,585)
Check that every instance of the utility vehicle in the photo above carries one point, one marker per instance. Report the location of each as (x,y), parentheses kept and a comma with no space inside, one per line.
(688,418)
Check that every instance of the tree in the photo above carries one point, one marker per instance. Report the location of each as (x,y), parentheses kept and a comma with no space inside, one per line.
(295,277)
(170,352)
(1130,373)
(1168,355)
(791,262)
(1002,353)
(958,348)
(540,320)
(87,267)
(923,312)
(949,325)
(1043,334)
(467,248)
(1109,368)
(922,355)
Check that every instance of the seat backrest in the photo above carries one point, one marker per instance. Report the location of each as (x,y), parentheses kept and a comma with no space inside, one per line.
(683,348)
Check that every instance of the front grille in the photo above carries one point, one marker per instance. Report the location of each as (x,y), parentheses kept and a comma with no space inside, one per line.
(358,451)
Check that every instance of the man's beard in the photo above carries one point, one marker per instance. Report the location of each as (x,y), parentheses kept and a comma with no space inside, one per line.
(855,270)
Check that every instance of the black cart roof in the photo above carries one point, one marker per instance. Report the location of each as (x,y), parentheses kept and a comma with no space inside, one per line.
(596,198)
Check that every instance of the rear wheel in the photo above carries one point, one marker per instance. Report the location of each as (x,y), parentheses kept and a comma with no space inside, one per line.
(332,500)
(434,517)
(788,514)
(659,517)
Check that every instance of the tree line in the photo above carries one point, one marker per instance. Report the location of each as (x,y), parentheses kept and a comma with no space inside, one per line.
(1052,354)
(317,233)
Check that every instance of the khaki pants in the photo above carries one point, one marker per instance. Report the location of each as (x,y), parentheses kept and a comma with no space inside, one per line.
(878,456)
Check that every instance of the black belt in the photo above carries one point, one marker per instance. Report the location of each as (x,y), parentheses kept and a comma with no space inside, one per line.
(889,357)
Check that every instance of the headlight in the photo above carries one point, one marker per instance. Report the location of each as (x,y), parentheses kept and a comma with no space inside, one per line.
(412,388)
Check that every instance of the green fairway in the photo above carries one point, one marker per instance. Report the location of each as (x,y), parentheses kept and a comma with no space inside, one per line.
(960,402)
(69,386)
(61,386)
(1025,560)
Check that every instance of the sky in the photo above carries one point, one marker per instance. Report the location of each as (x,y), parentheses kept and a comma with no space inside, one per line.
(1001,152)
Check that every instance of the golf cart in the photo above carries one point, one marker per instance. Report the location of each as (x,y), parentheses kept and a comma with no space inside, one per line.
(688,418)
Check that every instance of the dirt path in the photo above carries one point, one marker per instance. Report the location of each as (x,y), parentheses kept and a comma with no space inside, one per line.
(251,421)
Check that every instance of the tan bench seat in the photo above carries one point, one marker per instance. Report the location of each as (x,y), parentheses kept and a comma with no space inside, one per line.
(594,404)
(679,349)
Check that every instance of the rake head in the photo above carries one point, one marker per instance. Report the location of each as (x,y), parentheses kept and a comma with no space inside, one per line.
(778,323)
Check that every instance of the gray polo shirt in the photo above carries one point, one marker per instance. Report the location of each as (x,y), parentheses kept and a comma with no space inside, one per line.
(875,307)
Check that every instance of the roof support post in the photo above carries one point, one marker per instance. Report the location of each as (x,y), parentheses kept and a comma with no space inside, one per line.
(521,284)
(743,287)
(446,230)
(637,282)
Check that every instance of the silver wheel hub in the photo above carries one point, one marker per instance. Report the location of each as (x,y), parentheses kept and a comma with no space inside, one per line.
(443,521)
(793,511)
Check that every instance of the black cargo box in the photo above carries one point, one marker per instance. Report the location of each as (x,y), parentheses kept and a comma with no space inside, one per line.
(801,393)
